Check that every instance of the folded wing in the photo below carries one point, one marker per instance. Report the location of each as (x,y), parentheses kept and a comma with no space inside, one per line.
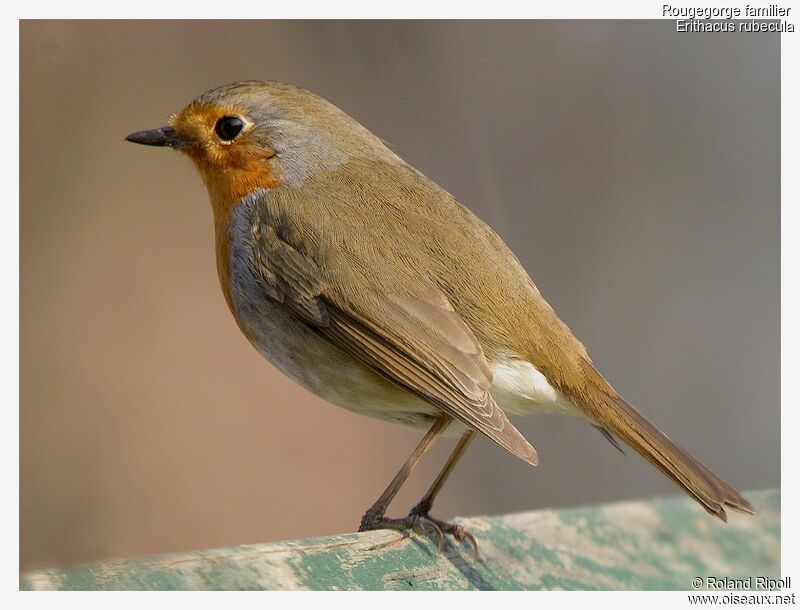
(408,333)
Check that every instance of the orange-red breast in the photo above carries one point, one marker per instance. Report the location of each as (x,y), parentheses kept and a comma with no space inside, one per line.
(369,284)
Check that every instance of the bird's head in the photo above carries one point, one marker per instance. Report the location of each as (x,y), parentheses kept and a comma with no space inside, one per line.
(254,134)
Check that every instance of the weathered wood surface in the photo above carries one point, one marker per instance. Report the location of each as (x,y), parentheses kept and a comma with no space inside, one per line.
(661,544)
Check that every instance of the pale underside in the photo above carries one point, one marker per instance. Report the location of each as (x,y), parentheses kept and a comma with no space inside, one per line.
(312,361)
(518,388)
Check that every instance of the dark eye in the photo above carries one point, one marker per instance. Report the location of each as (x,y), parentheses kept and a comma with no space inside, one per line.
(228,127)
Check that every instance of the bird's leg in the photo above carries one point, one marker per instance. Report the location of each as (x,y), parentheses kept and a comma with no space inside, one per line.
(375,517)
(423,507)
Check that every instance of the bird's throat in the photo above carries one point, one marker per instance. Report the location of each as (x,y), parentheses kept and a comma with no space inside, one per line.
(226,189)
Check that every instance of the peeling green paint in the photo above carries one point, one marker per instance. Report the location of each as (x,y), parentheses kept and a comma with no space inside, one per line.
(656,545)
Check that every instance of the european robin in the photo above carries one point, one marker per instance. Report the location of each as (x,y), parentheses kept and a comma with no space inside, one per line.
(370,285)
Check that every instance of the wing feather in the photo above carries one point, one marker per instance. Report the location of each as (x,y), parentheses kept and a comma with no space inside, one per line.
(414,339)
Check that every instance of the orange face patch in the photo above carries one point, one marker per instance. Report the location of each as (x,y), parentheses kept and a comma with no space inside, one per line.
(230,170)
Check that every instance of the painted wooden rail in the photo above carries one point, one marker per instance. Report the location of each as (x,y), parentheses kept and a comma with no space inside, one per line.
(659,544)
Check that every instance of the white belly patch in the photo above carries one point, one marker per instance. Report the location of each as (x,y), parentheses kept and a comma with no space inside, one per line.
(519,388)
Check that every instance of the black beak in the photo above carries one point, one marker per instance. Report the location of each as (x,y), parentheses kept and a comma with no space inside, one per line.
(163,136)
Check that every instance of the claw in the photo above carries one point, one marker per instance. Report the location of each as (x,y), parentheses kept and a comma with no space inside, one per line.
(473,543)
(437,531)
(460,534)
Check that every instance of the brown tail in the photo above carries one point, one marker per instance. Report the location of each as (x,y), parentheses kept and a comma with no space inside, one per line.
(707,488)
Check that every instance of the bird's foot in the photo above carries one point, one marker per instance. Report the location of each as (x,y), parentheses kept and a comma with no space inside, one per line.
(445,527)
(421,523)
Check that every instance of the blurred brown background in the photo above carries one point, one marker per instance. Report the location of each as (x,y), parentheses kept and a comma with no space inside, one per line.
(634,170)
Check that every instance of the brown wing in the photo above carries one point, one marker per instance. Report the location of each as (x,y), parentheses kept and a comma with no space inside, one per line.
(414,338)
